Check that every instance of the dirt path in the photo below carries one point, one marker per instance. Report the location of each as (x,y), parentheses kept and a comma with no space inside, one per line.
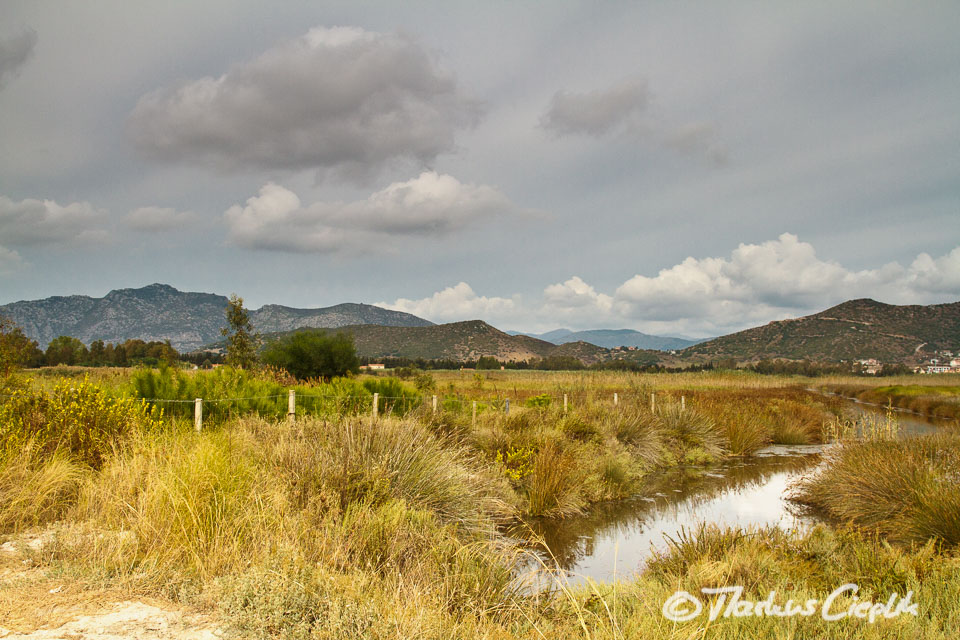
(35,605)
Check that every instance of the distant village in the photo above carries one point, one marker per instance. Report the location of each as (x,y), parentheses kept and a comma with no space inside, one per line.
(944,361)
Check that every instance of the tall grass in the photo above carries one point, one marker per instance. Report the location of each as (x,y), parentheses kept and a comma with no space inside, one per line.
(909,489)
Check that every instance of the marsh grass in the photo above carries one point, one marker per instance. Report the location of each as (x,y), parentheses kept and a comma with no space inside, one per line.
(341,527)
(909,490)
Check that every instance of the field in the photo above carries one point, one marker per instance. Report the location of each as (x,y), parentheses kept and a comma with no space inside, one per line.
(339,525)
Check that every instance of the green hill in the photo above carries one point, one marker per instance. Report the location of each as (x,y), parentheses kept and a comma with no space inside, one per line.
(856,329)
(458,341)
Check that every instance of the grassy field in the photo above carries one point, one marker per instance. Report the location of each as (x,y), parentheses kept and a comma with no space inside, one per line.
(339,526)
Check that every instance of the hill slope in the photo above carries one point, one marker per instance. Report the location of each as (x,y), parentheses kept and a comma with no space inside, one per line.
(612,338)
(188,320)
(461,341)
(856,329)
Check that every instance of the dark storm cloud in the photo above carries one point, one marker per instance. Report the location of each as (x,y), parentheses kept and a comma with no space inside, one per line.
(342,98)
(14,53)
(596,112)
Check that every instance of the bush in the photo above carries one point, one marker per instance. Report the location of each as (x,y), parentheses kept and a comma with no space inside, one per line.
(82,421)
(313,354)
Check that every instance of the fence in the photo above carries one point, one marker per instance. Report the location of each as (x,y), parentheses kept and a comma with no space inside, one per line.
(348,404)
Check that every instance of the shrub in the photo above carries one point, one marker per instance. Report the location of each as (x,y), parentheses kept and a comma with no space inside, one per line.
(313,354)
(82,421)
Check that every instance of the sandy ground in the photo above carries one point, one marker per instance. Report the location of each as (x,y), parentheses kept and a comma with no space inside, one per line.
(38,606)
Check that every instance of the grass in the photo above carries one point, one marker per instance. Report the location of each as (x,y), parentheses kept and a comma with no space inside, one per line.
(908,490)
(337,526)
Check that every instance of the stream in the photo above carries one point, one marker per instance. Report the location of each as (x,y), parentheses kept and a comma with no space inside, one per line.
(614,540)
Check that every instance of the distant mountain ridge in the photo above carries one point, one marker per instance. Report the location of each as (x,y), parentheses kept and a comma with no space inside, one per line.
(188,320)
(612,338)
(856,329)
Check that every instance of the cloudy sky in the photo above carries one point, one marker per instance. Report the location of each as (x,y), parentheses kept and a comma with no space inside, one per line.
(682,168)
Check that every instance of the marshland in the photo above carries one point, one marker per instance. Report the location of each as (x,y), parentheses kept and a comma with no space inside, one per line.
(505,512)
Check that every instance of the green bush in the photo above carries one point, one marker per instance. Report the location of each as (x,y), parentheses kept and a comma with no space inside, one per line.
(311,354)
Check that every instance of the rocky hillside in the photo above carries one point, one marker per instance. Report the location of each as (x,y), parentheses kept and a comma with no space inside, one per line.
(188,320)
(853,330)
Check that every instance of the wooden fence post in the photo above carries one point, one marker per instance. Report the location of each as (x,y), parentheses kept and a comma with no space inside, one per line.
(474,419)
(683,403)
(616,400)
(292,406)
(564,403)
(507,408)
(198,414)
(434,404)
(653,403)
(376,405)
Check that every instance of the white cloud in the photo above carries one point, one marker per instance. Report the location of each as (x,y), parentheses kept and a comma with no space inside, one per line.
(15,51)
(431,204)
(455,303)
(710,296)
(338,98)
(159,219)
(37,222)
(576,301)
(10,261)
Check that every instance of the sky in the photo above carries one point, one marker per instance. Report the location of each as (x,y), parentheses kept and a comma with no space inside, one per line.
(678,168)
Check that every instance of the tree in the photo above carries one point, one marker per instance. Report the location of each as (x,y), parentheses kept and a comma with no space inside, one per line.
(16,349)
(313,354)
(242,342)
(66,350)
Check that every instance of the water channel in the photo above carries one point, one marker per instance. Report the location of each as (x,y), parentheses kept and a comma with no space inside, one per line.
(614,540)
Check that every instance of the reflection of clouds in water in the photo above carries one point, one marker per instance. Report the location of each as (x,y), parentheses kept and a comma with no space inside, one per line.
(617,540)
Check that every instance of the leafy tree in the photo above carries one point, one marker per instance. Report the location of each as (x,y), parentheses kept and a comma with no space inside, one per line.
(488,362)
(16,349)
(242,342)
(66,350)
(313,354)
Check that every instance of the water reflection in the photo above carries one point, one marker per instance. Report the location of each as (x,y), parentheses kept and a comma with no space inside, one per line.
(615,538)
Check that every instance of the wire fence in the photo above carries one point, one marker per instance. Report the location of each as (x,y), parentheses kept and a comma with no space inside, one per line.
(300,403)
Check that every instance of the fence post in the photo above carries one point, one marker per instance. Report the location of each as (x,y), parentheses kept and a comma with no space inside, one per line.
(474,419)
(564,403)
(292,406)
(434,404)
(507,408)
(616,400)
(653,403)
(683,403)
(198,414)
(376,405)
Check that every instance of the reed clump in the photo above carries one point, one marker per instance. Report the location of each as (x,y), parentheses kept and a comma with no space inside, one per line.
(909,489)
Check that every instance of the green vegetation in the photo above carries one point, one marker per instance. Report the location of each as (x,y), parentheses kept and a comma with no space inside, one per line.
(242,341)
(313,354)
(340,526)
(905,489)
(932,400)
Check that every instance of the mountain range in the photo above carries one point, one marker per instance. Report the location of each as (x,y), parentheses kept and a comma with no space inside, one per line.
(612,338)
(188,320)
(853,330)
